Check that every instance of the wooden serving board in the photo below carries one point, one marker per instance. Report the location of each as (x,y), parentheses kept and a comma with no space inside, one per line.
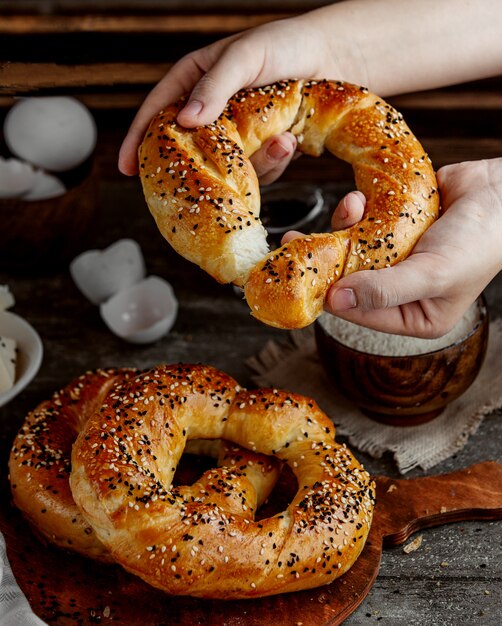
(65,589)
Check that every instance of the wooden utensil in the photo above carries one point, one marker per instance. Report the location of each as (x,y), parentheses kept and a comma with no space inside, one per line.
(65,589)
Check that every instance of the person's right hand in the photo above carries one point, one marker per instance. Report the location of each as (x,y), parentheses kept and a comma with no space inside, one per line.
(295,47)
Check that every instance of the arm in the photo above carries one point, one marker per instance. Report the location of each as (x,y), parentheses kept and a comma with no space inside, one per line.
(397,46)
(390,46)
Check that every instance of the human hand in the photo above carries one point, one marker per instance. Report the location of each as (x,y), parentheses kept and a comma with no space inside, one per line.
(427,293)
(288,48)
(352,41)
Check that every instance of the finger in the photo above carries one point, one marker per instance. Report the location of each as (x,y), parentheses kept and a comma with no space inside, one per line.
(427,319)
(413,279)
(225,77)
(415,319)
(178,81)
(290,235)
(349,211)
(273,157)
(395,299)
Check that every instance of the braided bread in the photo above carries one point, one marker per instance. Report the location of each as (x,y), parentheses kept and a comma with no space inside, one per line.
(203,540)
(203,192)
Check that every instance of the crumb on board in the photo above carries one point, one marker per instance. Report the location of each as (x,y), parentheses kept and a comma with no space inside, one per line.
(413,545)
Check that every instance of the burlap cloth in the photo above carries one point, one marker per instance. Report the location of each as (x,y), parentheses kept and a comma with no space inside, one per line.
(295,366)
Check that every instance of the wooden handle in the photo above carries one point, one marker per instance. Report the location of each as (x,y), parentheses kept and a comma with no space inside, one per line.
(405,506)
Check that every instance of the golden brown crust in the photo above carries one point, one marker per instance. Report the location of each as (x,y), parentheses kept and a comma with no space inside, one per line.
(189,540)
(390,168)
(202,193)
(40,465)
(300,271)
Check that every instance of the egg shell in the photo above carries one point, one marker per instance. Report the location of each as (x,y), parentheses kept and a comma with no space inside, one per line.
(142,313)
(16,178)
(56,133)
(46,186)
(99,274)
(6,298)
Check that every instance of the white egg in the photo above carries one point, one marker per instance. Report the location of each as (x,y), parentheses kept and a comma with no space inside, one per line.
(46,186)
(56,133)
(16,178)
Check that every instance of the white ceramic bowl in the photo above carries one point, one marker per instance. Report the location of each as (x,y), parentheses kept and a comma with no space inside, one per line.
(30,351)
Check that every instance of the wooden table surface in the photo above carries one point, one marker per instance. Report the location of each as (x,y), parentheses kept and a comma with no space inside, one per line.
(455,576)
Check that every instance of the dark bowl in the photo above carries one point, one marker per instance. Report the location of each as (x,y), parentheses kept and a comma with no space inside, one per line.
(289,206)
(41,236)
(405,390)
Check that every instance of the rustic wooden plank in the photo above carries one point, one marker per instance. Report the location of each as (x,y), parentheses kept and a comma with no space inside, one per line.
(451,100)
(454,551)
(31,78)
(55,6)
(214,326)
(116,99)
(198,22)
(120,98)
(455,557)
(415,602)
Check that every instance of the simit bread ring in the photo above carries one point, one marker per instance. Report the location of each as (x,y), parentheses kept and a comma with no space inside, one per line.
(256,473)
(204,541)
(40,462)
(203,192)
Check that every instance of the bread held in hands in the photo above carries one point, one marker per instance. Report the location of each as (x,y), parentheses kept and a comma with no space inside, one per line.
(204,195)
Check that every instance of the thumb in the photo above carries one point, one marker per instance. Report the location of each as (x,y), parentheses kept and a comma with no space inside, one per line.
(211,93)
(376,298)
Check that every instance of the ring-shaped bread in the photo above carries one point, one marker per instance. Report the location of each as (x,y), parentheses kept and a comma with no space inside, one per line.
(204,195)
(206,542)
(40,463)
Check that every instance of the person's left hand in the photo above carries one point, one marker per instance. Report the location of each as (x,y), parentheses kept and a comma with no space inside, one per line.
(427,293)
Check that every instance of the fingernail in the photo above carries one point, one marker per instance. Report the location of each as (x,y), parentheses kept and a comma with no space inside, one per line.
(277,151)
(343,299)
(353,202)
(343,211)
(192,107)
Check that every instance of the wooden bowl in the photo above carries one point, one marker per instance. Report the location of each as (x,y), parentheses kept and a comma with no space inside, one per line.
(39,236)
(405,390)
